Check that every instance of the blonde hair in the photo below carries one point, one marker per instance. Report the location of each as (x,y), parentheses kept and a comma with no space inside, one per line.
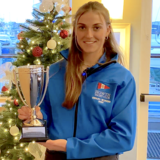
(73,70)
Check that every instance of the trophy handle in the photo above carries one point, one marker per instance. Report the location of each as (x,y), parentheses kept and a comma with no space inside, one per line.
(47,80)
(18,87)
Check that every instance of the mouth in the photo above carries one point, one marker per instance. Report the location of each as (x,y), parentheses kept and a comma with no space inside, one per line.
(89,42)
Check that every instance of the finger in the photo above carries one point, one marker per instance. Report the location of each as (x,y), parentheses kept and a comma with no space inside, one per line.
(49,141)
(22,113)
(22,117)
(28,120)
(37,108)
(26,109)
(22,110)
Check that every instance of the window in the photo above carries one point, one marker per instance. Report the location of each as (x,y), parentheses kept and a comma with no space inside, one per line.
(11,16)
(154,87)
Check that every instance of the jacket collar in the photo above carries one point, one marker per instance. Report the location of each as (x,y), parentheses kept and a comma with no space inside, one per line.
(65,54)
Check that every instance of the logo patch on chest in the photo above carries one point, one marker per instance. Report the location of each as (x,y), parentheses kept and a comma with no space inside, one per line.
(102,86)
(102,96)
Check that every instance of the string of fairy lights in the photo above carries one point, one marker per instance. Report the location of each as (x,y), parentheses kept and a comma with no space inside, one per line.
(51,44)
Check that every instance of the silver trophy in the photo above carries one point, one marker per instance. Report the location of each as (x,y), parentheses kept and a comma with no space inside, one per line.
(31,85)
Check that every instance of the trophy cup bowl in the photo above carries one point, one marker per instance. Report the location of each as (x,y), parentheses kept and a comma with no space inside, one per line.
(31,85)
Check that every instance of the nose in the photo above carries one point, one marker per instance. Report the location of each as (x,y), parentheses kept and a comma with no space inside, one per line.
(89,33)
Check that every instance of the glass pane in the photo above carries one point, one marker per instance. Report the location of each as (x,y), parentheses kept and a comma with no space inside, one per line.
(10,19)
(153,149)
(2,61)
(1,104)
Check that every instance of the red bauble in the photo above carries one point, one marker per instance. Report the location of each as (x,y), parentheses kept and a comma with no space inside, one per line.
(37,51)
(19,36)
(64,34)
(70,8)
(4,88)
(16,102)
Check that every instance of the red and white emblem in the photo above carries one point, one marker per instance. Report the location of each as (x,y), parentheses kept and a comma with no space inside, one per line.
(102,86)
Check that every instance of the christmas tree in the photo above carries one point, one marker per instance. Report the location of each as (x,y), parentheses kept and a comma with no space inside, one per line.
(40,42)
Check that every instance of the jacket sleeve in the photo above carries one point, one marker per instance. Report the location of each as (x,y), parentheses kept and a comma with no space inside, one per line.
(120,134)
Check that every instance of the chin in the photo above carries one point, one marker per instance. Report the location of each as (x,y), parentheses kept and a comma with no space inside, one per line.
(88,51)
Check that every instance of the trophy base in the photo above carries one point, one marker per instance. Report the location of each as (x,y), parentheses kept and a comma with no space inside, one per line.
(40,139)
(34,133)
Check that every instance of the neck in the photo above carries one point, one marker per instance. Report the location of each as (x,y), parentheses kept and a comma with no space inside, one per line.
(90,59)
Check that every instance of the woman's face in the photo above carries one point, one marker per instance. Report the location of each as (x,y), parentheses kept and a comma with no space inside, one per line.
(91,31)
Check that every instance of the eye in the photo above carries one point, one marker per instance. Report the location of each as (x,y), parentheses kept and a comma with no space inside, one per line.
(97,28)
(81,27)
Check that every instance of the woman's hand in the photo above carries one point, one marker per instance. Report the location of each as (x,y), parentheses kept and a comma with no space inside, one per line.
(25,113)
(56,145)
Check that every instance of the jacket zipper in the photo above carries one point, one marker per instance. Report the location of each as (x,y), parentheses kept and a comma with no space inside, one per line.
(88,73)
(75,120)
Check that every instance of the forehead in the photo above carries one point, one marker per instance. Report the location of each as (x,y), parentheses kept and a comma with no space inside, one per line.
(91,18)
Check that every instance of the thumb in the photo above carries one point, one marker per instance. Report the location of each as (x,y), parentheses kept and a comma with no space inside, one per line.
(37,108)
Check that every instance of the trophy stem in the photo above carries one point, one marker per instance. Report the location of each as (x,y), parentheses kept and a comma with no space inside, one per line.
(34,121)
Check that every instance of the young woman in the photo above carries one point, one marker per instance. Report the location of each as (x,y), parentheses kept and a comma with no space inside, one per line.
(90,104)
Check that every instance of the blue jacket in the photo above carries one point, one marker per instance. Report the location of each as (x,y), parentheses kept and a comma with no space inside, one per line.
(104,121)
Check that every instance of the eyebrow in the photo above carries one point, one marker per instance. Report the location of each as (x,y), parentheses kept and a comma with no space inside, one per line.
(93,24)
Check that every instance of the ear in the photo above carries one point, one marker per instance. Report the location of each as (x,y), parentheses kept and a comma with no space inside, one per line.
(108,30)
